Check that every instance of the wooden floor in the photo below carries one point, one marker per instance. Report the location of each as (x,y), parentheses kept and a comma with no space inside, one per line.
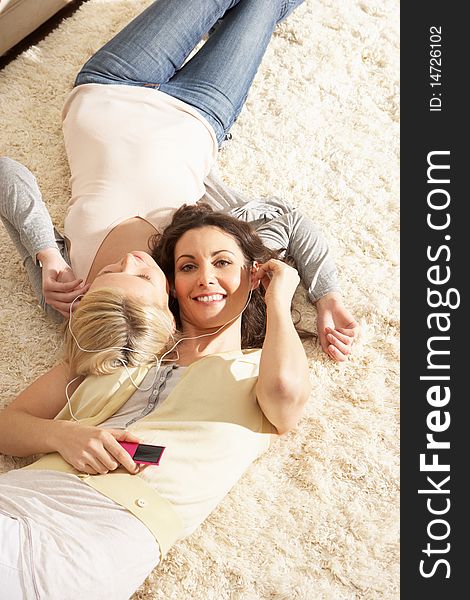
(40,33)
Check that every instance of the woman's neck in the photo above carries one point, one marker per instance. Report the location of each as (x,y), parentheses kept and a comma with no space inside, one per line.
(208,341)
(132,234)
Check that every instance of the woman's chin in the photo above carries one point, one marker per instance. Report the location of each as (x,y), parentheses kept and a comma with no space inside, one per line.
(209,317)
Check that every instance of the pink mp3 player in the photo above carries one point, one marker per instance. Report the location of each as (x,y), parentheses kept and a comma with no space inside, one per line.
(144,454)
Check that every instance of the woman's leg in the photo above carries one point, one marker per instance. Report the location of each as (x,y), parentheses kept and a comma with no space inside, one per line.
(150,49)
(217,79)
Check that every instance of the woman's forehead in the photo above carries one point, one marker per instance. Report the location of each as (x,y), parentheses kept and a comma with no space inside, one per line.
(208,238)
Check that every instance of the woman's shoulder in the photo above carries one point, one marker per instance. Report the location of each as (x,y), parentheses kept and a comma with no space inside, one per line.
(225,360)
(242,354)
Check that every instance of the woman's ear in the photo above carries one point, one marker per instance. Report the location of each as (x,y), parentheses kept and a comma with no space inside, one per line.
(171,288)
(254,280)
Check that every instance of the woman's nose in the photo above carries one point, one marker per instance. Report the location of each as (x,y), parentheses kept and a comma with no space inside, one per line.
(206,275)
(128,262)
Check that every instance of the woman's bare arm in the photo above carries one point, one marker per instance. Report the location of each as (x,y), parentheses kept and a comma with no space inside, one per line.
(283,383)
(27,426)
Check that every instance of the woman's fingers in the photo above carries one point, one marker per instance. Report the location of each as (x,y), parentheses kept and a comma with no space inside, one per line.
(119,454)
(94,466)
(262,275)
(69,296)
(339,344)
(337,354)
(335,319)
(108,461)
(122,435)
(341,334)
(66,296)
(345,349)
(62,287)
(278,279)
(61,302)
(104,454)
(88,469)
(351,330)
(103,461)
(273,267)
(62,307)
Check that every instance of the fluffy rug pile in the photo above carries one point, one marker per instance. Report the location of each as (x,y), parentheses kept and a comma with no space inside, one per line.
(317,517)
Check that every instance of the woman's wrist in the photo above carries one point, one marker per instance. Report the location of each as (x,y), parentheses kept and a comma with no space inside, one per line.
(328,300)
(278,306)
(48,255)
(58,434)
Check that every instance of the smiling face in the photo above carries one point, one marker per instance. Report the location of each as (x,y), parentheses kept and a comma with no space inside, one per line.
(212,278)
(138,276)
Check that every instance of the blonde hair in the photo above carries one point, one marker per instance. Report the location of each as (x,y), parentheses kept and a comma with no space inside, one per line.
(111,329)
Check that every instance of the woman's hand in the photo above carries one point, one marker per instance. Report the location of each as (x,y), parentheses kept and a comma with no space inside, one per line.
(60,287)
(279,280)
(337,328)
(95,451)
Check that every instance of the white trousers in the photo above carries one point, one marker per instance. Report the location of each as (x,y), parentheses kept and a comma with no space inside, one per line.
(10,570)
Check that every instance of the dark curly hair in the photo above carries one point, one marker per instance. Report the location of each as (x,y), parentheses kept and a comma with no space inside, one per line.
(253,328)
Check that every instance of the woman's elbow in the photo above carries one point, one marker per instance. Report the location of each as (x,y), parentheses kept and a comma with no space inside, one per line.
(285,428)
(293,391)
(292,398)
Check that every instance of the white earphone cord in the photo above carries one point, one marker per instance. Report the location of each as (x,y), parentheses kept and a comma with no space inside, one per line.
(157,360)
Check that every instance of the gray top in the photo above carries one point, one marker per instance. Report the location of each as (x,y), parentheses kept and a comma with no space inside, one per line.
(154,389)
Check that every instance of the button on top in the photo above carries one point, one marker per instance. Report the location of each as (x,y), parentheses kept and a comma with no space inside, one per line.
(141,503)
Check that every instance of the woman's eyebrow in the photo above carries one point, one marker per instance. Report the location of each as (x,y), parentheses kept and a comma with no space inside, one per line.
(212,254)
(219,251)
(185,256)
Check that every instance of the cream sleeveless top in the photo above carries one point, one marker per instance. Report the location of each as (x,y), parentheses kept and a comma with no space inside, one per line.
(212,428)
(133,152)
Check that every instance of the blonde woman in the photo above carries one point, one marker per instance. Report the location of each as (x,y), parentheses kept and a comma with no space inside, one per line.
(125,330)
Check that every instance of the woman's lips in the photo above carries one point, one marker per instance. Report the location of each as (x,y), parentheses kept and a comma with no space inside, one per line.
(207,298)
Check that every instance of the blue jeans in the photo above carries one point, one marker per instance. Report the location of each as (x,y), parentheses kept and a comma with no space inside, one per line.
(151,50)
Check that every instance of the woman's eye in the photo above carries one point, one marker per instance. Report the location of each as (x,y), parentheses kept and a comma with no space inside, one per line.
(144,276)
(186,268)
(223,263)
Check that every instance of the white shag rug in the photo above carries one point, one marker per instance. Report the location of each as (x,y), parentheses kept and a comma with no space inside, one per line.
(318,516)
